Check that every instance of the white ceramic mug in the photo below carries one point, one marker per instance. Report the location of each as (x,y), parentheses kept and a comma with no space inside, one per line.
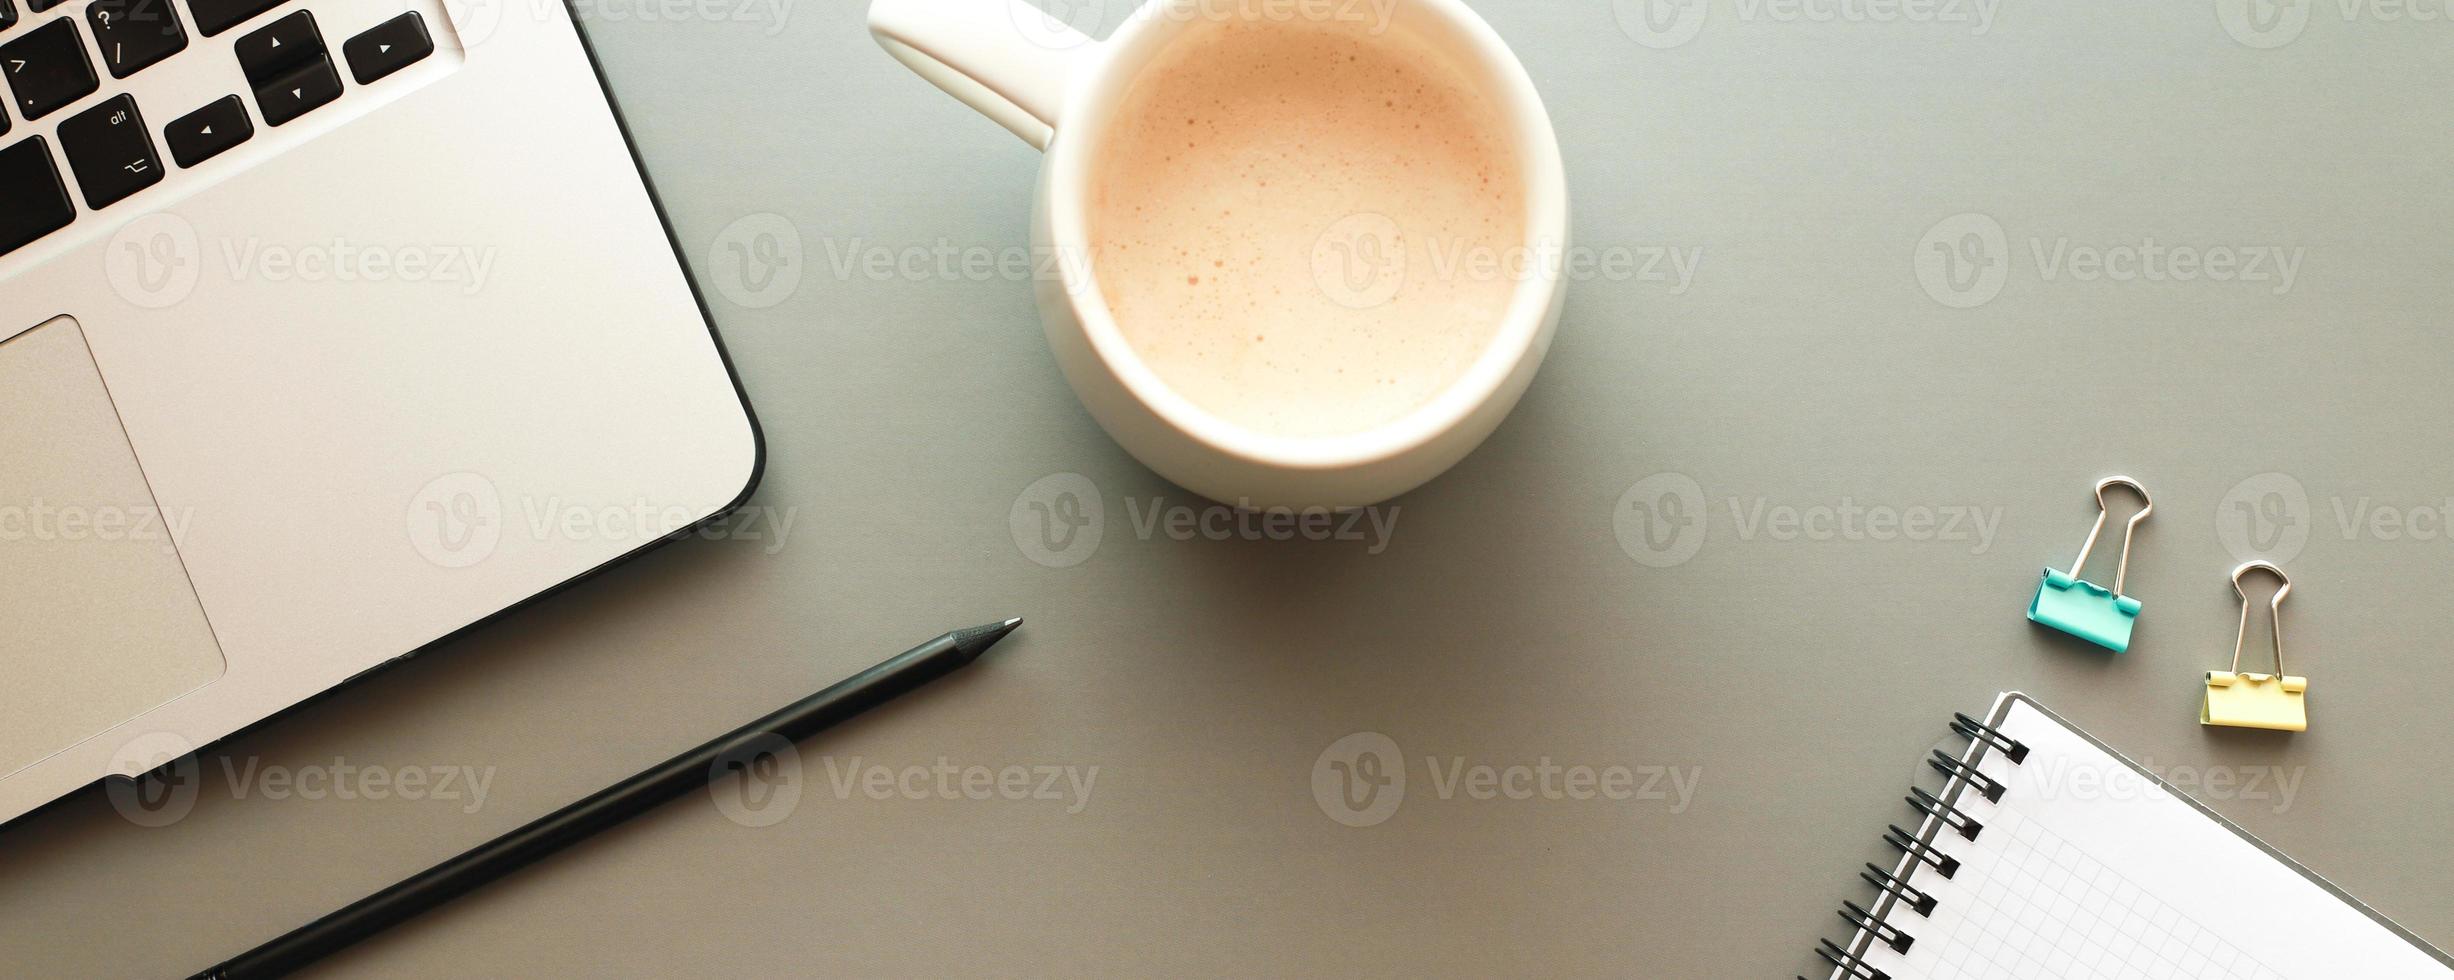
(1059,90)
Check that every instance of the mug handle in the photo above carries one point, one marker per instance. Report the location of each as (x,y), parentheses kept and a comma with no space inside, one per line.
(1005,58)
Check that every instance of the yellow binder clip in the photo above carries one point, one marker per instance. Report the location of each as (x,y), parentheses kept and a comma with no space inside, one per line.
(2271,701)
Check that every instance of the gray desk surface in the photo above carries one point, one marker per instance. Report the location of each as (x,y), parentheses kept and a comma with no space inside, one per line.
(1799,673)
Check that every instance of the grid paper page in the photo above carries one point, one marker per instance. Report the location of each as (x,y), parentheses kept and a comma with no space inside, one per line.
(2088,869)
(2048,909)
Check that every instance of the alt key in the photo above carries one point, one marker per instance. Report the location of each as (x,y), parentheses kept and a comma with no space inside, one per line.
(109,151)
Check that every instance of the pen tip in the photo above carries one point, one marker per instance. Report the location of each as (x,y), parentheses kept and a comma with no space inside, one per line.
(976,640)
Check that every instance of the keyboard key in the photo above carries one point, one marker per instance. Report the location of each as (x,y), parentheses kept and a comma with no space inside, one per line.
(216,16)
(279,48)
(288,66)
(47,68)
(203,134)
(389,47)
(8,15)
(304,89)
(134,34)
(110,152)
(33,202)
(38,6)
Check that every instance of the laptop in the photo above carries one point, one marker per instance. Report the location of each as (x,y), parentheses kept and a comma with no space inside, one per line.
(328,328)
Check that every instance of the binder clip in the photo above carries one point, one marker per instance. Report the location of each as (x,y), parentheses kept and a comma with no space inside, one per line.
(2085,609)
(2270,701)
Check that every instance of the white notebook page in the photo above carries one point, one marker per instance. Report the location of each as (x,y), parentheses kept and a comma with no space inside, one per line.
(2088,869)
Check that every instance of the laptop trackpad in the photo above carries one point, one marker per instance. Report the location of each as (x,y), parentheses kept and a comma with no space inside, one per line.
(97,621)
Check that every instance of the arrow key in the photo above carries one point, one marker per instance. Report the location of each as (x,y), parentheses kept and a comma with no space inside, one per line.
(279,48)
(203,134)
(389,47)
(305,88)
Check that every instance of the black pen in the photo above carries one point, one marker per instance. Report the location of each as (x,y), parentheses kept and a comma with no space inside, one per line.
(621,801)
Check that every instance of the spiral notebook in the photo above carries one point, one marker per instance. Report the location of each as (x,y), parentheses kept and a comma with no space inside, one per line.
(2047,856)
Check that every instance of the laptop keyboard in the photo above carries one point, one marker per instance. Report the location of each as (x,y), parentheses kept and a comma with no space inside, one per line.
(52,62)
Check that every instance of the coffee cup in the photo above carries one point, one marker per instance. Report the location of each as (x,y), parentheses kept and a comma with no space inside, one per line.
(1063,92)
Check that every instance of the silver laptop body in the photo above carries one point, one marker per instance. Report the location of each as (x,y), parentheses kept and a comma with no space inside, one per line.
(280,407)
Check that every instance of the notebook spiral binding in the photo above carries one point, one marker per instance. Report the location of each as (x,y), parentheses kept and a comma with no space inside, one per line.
(1957,775)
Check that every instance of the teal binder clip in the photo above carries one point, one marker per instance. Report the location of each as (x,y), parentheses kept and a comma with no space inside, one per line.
(2085,609)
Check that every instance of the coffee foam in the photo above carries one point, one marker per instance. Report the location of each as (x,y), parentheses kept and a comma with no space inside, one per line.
(1286,217)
